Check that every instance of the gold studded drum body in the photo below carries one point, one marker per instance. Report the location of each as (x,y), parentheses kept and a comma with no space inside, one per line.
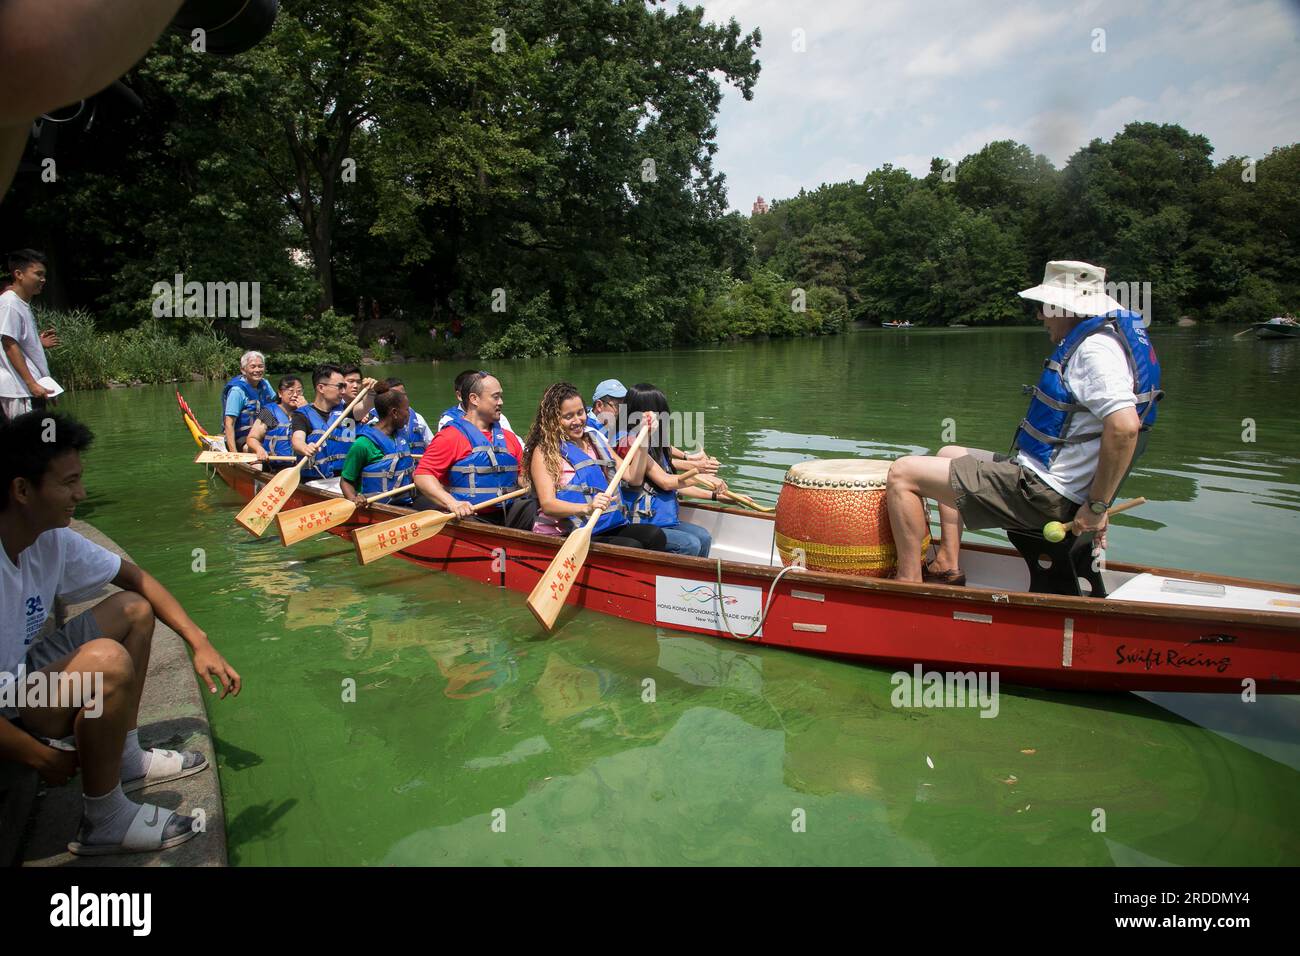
(834,510)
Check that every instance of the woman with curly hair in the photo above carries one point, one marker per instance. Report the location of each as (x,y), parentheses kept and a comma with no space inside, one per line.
(571,466)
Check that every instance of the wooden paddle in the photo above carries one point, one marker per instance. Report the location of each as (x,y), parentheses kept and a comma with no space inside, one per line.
(237,457)
(306,521)
(1055,531)
(388,537)
(257,514)
(557,580)
(702,482)
(1244,331)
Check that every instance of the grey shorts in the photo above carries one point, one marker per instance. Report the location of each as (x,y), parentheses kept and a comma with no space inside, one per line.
(1002,494)
(57,645)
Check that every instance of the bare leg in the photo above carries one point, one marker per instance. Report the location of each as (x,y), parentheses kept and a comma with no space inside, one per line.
(122,656)
(912,479)
(99,739)
(949,555)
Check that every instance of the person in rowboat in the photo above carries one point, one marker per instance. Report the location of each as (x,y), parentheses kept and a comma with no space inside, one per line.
(458,410)
(271,433)
(474,459)
(243,397)
(352,382)
(651,498)
(571,465)
(380,459)
(1070,452)
(104,650)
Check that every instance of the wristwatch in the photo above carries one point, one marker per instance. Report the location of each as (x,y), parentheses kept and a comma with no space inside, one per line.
(1097,507)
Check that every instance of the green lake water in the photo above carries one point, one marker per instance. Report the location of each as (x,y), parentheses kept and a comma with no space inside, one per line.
(465,715)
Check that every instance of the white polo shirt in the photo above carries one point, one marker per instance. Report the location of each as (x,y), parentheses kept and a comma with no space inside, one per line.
(1099,376)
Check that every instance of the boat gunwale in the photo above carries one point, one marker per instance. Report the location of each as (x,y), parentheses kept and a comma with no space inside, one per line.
(1071,605)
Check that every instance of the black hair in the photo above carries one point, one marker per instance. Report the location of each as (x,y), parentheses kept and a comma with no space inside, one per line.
(323,372)
(649,398)
(22,258)
(474,387)
(287,381)
(31,441)
(388,400)
(394,382)
(350,370)
(462,380)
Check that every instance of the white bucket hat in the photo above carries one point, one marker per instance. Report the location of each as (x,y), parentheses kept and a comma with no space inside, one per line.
(1078,287)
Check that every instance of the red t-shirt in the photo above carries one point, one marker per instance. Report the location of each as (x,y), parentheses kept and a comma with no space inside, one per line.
(450,445)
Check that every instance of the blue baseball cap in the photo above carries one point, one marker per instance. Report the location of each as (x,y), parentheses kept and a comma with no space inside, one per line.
(610,388)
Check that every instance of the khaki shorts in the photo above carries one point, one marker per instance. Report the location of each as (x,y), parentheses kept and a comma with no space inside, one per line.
(1002,494)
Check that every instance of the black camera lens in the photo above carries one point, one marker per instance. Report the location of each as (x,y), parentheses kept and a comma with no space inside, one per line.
(230,26)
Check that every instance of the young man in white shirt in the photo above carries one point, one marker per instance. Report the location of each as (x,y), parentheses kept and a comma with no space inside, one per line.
(103,652)
(1069,477)
(22,347)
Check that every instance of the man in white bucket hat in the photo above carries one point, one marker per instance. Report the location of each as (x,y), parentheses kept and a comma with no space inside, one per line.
(1097,391)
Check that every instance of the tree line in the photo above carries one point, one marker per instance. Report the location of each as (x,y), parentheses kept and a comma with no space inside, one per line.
(539,177)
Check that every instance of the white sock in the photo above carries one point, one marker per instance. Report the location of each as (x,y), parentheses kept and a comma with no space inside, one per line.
(135,762)
(109,816)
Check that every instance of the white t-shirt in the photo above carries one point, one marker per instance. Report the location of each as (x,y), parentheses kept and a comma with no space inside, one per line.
(17,322)
(442,423)
(1099,376)
(60,562)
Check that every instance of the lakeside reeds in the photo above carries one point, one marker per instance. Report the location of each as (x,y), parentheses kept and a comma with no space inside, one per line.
(87,357)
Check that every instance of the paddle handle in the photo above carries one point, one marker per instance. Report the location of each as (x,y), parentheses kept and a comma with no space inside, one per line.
(490,502)
(281,458)
(338,421)
(387,494)
(618,476)
(688,474)
(1114,511)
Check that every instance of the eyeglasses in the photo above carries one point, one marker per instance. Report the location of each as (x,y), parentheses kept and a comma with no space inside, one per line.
(331,384)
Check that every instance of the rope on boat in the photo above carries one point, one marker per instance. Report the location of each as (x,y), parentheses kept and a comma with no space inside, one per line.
(722,604)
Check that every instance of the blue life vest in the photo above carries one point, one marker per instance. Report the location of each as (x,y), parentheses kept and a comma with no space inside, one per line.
(591,476)
(1040,434)
(329,460)
(488,470)
(455,412)
(415,439)
(278,440)
(650,504)
(391,471)
(254,399)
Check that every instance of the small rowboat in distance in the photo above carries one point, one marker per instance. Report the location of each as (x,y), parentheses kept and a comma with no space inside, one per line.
(1279,327)
(1157,630)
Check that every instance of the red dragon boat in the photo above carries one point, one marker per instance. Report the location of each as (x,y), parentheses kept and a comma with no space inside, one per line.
(1157,630)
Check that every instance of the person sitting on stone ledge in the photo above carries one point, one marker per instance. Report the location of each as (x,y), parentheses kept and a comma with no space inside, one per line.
(92,669)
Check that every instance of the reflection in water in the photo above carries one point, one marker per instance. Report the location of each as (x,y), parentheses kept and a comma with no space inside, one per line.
(461,707)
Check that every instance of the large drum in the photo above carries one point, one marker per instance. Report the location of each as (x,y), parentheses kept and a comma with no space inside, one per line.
(835,511)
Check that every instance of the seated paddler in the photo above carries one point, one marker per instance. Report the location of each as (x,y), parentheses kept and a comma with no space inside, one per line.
(417,432)
(380,458)
(243,397)
(1097,391)
(272,430)
(459,387)
(571,465)
(474,459)
(310,422)
(654,500)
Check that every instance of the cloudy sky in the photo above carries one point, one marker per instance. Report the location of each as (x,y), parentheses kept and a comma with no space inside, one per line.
(900,81)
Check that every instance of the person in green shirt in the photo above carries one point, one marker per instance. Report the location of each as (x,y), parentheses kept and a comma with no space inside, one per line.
(380,459)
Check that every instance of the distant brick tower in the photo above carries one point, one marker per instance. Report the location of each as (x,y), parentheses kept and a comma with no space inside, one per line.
(760,206)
